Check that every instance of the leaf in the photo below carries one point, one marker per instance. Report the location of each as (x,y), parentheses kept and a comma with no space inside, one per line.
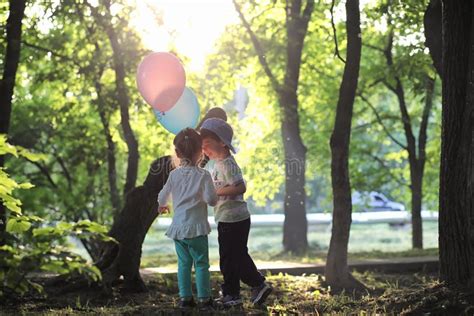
(29,155)
(108,238)
(54,266)
(6,148)
(13,206)
(97,228)
(7,248)
(15,225)
(25,185)
(36,286)
(64,226)
(35,218)
(7,185)
(43,231)
(95,273)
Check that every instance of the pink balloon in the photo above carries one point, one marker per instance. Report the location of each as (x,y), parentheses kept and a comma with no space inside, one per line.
(161,80)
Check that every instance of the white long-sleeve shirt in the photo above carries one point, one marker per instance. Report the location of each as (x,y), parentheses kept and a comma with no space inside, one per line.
(191,189)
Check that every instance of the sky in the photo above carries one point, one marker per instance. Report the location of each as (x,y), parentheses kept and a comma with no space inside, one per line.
(192,27)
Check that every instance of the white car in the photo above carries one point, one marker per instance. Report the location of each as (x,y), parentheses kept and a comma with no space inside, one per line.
(374,202)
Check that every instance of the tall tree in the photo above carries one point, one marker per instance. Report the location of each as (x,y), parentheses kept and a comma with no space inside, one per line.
(95,72)
(295,226)
(104,19)
(456,196)
(416,152)
(403,74)
(337,272)
(112,171)
(10,66)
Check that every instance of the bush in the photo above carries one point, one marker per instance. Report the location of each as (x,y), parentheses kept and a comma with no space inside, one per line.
(33,246)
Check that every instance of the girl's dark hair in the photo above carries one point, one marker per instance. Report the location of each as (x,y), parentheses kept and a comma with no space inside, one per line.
(187,143)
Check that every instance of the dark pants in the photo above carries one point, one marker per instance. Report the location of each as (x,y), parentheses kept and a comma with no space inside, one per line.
(235,262)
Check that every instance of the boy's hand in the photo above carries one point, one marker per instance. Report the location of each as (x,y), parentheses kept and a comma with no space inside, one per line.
(231,190)
(163,209)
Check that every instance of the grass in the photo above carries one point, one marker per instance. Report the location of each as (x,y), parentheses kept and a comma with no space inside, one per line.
(312,257)
(387,294)
(366,242)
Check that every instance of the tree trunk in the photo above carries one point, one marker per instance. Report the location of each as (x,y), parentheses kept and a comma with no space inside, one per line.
(416,176)
(122,95)
(432,26)
(456,200)
(130,228)
(337,272)
(112,171)
(417,169)
(295,226)
(10,66)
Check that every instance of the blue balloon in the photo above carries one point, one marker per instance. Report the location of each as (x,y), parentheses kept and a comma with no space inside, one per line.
(185,113)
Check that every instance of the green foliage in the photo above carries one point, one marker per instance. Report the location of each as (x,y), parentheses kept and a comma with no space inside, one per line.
(33,244)
(376,161)
(72,181)
(66,77)
(8,185)
(68,58)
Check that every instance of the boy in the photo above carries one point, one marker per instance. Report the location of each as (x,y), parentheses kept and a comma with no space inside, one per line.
(232,217)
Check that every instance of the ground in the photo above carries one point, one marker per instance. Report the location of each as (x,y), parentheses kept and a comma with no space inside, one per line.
(387,294)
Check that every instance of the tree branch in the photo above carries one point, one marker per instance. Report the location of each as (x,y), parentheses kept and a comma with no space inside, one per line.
(308,10)
(379,49)
(383,164)
(64,169)
(379,119)
(53,53)
(373,84)
(362,126)
(336,48)
(399,92)
(44,171)
(258,47)
(422,135)
(319,71)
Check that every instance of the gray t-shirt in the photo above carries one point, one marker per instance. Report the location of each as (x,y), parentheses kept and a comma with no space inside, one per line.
(191,189)
(229,209)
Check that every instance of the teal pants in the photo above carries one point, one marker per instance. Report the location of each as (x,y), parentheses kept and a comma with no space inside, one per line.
(193,251)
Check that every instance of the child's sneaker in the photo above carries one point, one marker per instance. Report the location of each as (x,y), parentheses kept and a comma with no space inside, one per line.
(206,305)
(186,303)
(229,300)
(260,293)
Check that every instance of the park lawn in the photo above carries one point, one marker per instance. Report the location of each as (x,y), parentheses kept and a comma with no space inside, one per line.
(386,294)
(313,256)
(366,242)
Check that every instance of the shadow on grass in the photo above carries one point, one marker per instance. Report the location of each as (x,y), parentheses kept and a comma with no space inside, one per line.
(387,293)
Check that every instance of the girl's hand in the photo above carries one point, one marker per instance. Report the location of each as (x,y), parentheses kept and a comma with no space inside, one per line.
(163,209)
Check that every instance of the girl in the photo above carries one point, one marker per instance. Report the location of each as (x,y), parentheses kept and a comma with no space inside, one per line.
(191,189)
